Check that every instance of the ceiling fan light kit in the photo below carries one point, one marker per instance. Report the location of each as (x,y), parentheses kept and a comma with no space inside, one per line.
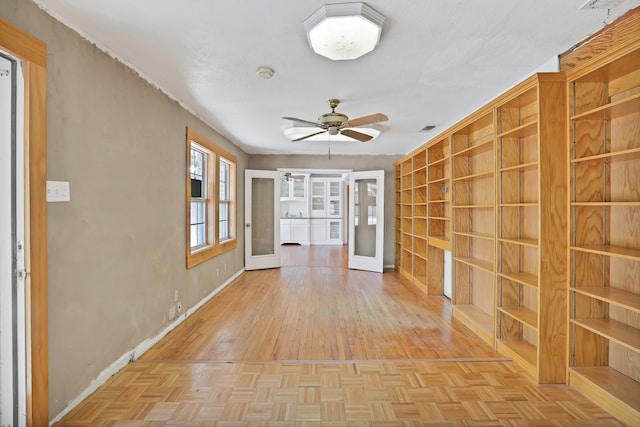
(295,132)
(344,31)
(337,124)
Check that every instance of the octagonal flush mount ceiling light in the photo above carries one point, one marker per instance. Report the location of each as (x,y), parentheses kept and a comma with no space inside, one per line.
(344,31)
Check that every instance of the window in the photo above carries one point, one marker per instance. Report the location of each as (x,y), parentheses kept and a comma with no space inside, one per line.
(225,167)
(211,208)
(199,176)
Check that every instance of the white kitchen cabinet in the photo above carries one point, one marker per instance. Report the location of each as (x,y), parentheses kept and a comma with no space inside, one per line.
(295,230)
(326,197)
(334,230)
(299,188)
(300,231)
(334,198)
(318,197)
(318,230)
(326,231)
(295,188)
(285,190)
(285,231)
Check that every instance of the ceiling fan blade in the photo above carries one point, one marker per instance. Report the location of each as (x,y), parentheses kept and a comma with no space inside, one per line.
(356,135)
(308,136)
(293,119)
(367,120)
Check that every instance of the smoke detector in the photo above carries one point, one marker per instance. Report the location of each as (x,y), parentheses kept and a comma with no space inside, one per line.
(264,72)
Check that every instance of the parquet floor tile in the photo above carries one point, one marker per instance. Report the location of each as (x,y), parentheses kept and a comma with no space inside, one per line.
(323,346)
(331,395)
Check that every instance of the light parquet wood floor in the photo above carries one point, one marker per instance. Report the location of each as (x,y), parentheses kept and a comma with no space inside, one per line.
(316,344)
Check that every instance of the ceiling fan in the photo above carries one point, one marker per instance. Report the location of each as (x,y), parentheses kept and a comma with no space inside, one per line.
(338,123)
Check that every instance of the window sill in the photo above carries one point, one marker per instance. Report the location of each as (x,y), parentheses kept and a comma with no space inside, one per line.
(206,253)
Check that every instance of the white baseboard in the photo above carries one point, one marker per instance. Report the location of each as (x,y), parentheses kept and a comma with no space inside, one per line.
(139,350)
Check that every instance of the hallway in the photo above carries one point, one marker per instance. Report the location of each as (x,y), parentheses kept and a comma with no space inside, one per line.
(313,343)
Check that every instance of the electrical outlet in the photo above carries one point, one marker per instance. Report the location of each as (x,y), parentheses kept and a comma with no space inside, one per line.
(175,296)
(225,267)
(217,272)
(179,305)
(172,312)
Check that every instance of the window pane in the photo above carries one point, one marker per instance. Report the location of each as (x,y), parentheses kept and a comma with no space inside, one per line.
(198,166)
(198,223)
(198,235)
(224,211)
(202,212)
(202,234)
(223,221)
(224,180)
(372,217)
(194,213)
(356,202)
(372,189)
(198,220)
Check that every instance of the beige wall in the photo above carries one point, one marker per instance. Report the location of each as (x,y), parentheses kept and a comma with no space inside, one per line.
(356,163)
(117,250)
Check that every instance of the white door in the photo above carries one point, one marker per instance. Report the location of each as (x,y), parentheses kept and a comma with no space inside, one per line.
(261,219)
(366,220)
(12,246)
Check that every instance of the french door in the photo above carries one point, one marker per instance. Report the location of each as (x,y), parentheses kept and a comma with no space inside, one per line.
(366,220)
(31,250)
(12,245)
(262,219)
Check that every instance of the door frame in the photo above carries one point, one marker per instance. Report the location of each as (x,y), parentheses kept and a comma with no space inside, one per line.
(33,56)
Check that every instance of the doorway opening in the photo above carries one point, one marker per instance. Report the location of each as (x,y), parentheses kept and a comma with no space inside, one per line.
(313,211)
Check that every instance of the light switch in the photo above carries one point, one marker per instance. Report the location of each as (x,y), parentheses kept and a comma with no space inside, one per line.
(58,191)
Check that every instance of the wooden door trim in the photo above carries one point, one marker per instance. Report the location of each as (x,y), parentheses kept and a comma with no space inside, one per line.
(33,53)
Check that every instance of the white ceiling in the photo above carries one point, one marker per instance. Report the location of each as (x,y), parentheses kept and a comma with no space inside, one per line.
(437,60)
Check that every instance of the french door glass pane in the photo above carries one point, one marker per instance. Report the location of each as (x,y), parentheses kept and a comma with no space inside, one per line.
(365,205)
(262,216)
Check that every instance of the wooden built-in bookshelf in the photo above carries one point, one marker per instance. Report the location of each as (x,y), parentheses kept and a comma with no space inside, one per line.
(397,217)
(424,222)
(531,226)
(406,218)
(420,219)
(473,186)
(439,203)
(604,236)
(537,196)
